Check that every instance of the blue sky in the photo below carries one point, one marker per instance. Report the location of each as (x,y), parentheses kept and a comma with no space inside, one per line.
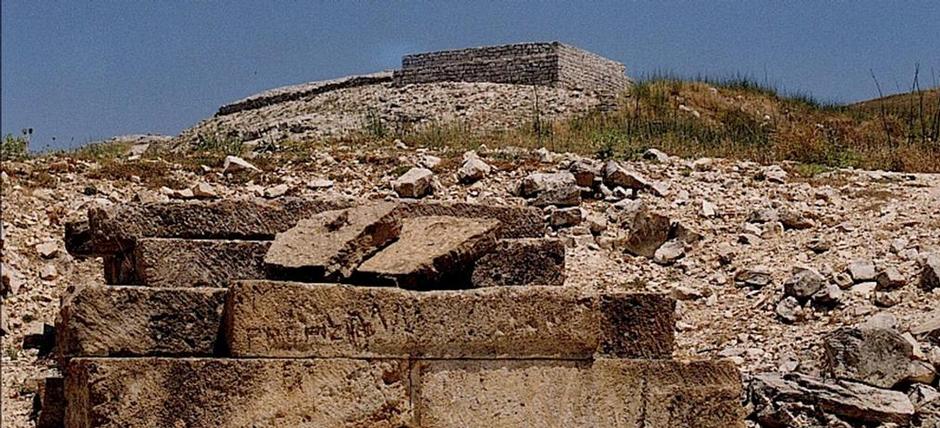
(80,71)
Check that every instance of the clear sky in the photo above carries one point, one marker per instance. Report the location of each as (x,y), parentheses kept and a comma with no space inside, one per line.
(85,70)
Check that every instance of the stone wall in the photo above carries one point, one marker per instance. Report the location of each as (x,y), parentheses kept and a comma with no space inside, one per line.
(547,64)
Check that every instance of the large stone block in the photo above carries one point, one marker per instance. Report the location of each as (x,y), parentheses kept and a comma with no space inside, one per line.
(133,321)
(197,393)
(331,244)
(430,253)
(602,393)
(174,262)
(515,222)
(114,229)
(531,261)
(276,319)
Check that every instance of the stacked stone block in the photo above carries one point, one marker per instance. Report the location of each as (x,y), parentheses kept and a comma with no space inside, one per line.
(224,346)
(545,64)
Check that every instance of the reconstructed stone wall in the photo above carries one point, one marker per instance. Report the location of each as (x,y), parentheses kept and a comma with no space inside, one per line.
(547,64)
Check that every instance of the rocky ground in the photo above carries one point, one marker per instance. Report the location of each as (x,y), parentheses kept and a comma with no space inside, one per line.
(766,264)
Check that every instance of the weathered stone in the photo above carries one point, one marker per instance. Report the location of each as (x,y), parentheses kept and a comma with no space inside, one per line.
(930,272)
(532,261)
(204,191)
(754,276)
(276,191)
(656,155)
(430,251)
(875,356)
(172,262)
(111,230)
(616,175)
(789,310)
(49,404)
(566,217)
(331,244)
(566,196)
(10,280)
(861,271)
(585,172)
(136,321)
(779,400)
(472,170)
(538,182)
(648,231)
(516,222)
(763,215)
(4,322)
(669,252)
(271,319)
(47,250)
(415,183)
(920,372)
(203,393)
(602,393)
(890,279)
(930,327)
(237,164)
(803,283)
(793,219)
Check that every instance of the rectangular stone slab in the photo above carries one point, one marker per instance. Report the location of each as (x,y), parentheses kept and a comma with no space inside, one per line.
(134,321)
(331,244)
(279,319)
(605,393)
(203,393)
(111,230)
(114,229)
(430,253)
(527,261)
(175,262)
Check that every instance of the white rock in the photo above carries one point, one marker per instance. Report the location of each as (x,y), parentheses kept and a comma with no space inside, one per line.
(236,164)
(861,270)
(204,191)
(48,272)
(48,250)
(415,183)
(276,191)
(320,183)
(708,210)
(472,170)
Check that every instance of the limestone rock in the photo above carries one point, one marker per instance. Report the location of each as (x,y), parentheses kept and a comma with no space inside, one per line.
(566,217)
(616,175)
(793,399)
(48,272)
(204,191)
(47,250)
(669,252)
(331,244)
(10,280)
(531,261)
(566,196)
(237,164)
(930,273)
(755,277)
(875,356)
(585,172)
(647,232)
(415,183)
(656,155)
(472,170)
(538,182)
(430,251)
(276,191)
(861,271)
(789,310)
(890,279)
(803,283)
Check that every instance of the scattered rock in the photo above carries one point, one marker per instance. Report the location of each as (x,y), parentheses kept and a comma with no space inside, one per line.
(775,174)
(708,210)
(531,261)
(803,283)
(319,184)
(430,162)
(793,399)
(415,183)
(237,164)
(472,170)
(276,191)
(48,250)
(566,217)
(10,281)
(861,271)
(921,372)
(655,155)
(875,356)
(793,219)
(616,175)
(566,196)
(48,272)
(538,182)
(889,279)
(930,273)
(647,232)
(755,277)
(585,172)
(789,310)
(204,191)
(669,252)
(763,215)
(829,295)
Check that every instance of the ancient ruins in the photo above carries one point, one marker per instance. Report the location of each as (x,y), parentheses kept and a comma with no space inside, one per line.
(340,313)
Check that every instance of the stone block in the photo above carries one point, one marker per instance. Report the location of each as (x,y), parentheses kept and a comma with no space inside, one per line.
(532,261)
(174,262)
(515,222)
(430,253)
(203,393)
(331,244)
(114,229)
(277,319)
(602,393)
(136,321)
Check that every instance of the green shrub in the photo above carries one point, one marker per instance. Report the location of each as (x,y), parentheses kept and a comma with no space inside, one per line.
(13,148)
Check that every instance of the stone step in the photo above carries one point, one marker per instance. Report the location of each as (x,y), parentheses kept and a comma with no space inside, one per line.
(175,262)
(112,230)
(132,321)
(195,393)
(281,319)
